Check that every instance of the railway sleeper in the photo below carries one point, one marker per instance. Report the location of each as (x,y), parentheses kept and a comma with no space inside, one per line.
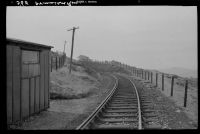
(122,105)
(153,126)
(145,101)
(121,108)
(147,110)
(149,120)
(118,115)
(147,115)
(118,120)
(121,111)
(123,102)
(147,107)
(124,94)
(132,100)
(115,126)
(127,98)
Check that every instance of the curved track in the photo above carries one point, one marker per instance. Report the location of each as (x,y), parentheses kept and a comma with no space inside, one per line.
(121,109)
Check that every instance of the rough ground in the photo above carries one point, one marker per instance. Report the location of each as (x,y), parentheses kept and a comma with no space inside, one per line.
(178,95)
(74,97)
(170,115)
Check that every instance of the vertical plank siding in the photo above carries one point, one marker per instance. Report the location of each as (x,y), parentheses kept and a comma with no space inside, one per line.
(46,79)
(49,57)
(16,82)
(9,83)
(27,94)
(32,95)
(25,98)
(37,94)
(42,71)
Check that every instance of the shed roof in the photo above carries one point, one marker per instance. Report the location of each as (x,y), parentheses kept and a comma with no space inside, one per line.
(26,43)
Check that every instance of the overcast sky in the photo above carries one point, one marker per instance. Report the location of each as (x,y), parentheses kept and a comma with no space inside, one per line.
(141,36)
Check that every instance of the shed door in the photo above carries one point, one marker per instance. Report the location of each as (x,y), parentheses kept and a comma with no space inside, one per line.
(30,79)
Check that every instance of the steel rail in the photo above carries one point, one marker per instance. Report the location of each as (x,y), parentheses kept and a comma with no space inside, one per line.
(99,108)
(139,107)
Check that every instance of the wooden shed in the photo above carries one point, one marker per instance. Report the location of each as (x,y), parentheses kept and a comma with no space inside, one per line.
(28,69)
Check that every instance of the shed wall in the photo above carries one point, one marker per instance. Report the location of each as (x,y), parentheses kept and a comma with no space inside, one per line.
(25,96)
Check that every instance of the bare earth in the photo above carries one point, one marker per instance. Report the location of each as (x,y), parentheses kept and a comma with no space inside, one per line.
(69,113)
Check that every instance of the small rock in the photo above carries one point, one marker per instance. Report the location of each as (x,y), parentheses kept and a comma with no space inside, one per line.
(178,111)
(158,98)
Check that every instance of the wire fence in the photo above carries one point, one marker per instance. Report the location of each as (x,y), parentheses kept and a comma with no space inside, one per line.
(57,61)
(183,90)
(171,85)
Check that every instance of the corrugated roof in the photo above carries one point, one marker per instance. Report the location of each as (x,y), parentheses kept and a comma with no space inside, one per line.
(23,42)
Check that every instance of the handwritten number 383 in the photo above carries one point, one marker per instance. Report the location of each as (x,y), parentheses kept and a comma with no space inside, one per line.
(22,3)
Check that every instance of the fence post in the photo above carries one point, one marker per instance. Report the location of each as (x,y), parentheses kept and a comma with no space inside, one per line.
(172,85)
(139,73)
(136,73)
(56,63)
(51,63)
(142,73)
(185,97)
(151,77)
(145,75)
(148,75)
(162,82)
(156,79)
(61,61)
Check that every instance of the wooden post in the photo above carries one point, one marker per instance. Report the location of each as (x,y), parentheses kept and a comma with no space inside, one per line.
(162,82)
(59,62)
(185,97)
(172,85)
(51,63)
(56,63)
(151,77)
(142,74)
(63,60)
(148,75)
(156,79)
(137,73)
(72,48)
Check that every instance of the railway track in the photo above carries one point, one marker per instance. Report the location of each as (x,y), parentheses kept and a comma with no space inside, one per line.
(123,108)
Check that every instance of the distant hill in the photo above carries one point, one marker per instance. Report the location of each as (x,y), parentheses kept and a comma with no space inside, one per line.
(181,72)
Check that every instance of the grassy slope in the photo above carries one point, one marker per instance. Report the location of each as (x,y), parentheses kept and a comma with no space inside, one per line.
(78,84)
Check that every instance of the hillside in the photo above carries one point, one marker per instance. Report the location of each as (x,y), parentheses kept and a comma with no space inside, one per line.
(180,71)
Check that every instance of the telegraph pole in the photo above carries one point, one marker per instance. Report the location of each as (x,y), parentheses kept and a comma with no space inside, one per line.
(64,46)
(74,28)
